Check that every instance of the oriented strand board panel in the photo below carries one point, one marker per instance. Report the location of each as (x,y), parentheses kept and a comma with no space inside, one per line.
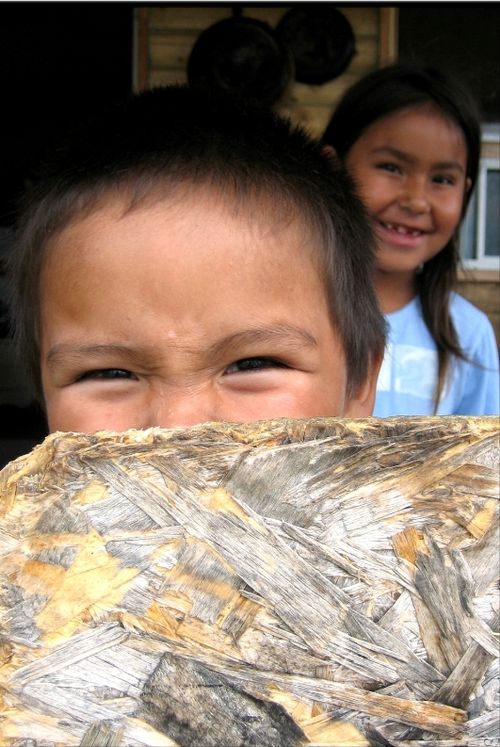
(169,33)
(277,584)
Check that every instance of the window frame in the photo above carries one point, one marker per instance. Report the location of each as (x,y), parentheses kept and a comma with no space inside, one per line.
(476,210)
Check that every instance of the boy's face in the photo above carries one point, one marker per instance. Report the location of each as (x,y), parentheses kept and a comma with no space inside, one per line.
(176,314)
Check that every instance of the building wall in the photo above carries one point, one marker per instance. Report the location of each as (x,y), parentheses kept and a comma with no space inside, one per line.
(166,36)
(482,287)
(164,39)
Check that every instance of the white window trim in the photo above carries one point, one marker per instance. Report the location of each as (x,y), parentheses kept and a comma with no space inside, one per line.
(490,134)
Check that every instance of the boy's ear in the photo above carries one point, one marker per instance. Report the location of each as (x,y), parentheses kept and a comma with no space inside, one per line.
(361,403)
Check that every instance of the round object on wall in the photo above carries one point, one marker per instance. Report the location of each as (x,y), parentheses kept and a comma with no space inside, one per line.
(321,41)
(241,57)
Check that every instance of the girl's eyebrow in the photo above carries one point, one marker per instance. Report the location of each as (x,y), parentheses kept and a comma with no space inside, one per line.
(284,334)
(403,156)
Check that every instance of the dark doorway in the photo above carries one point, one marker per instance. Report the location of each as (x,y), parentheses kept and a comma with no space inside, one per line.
(59,62)
(463,38)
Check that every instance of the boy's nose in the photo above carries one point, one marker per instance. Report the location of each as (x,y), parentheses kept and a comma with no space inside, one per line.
(178,407)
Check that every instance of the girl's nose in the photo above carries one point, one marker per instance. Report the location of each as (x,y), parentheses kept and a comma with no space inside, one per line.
(414,198)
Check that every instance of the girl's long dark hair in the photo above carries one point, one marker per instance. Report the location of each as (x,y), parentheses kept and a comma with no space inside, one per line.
(377,95)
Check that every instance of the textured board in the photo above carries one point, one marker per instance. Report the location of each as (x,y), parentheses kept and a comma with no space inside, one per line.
(282,583)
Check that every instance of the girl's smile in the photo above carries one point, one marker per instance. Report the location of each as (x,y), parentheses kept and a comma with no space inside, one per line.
(399,234)
(410,170)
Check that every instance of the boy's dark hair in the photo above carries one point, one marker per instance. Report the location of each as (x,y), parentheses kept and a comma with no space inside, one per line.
(385,92)
(174,137)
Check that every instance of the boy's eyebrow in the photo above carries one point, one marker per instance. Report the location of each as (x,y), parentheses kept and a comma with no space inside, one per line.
(65,350)
(389,150)
(283,333)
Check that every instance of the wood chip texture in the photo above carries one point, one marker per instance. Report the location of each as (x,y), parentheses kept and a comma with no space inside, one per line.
(277,584)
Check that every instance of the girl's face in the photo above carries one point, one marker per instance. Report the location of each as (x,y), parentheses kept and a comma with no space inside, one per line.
(410,170)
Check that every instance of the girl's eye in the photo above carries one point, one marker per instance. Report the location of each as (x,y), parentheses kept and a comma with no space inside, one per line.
(442,179)
(392,168)
(106,373)
(254,364)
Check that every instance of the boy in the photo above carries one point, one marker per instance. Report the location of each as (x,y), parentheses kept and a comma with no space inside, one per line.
(185,261)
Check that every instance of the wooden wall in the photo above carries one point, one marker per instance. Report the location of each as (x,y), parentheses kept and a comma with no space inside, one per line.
(166,35)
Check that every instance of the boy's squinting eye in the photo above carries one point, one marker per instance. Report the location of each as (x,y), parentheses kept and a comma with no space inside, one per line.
(106,373)
(254,364)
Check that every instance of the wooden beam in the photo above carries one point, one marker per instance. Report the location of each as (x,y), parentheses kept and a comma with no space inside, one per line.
(388,35)
(141,49)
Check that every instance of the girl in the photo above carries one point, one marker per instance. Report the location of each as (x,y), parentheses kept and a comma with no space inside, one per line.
(410,138)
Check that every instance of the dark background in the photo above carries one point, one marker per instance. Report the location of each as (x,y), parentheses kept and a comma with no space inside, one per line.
(58,63)
(464,38)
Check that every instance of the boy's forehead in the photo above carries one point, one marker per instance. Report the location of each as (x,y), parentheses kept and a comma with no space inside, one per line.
(174,275)
(181,223)
(267,217)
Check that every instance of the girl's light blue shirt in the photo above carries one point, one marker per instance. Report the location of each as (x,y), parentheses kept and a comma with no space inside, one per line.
(408,375)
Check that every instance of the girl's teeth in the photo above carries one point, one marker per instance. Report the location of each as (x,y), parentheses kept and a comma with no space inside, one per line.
(401,230)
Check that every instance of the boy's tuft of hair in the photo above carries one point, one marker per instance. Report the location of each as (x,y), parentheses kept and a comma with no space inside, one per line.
(175,137)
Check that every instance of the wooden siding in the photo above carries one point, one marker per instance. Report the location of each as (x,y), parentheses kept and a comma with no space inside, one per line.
(166,36)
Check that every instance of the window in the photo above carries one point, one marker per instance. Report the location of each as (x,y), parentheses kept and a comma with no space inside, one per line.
(480,233)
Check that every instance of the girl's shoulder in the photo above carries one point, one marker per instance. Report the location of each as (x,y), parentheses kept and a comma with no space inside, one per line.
(475,330)
(463,311)
(471,323)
